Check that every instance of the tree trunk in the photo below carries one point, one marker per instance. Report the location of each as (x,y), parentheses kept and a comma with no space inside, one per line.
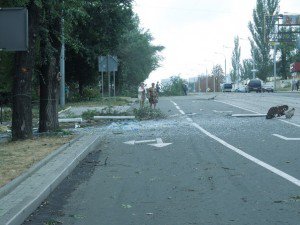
(22,76)
(49,81)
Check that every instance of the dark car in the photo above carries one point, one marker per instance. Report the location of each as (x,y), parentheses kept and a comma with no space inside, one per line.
(254,85)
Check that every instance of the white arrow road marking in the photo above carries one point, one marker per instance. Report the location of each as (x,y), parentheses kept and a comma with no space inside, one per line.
(286,138)
(133,142)
(160,143)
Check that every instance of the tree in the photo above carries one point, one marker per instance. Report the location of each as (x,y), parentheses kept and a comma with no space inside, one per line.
(23,70)
(261,29)
(174,87)
(246,69)
(218,76)
(287,49)
(112,18)
(235,60)
(138,57)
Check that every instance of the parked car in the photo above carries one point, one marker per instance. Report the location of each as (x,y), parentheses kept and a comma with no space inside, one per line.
(227,87)
(254,85)
(267,87)
(240,88)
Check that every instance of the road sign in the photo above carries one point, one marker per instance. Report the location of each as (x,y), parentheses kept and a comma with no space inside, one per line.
(108,63)
(13,29)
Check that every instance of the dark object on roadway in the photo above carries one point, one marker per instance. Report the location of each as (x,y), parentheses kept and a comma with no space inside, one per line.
(277,111)
(290,113)
(253,85)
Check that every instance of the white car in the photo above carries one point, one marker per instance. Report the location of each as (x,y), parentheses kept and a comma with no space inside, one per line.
(267,87)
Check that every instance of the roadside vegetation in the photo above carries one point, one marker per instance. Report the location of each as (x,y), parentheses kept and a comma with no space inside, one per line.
(16,157)
(147,113)
(118,33)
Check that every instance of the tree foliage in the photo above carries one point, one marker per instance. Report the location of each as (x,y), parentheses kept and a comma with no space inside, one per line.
(217,71)
(174,87)
(261,30)
(91,28)
(235,60)
(246,69)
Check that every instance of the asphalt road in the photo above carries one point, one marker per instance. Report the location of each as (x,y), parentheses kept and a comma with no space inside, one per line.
(216,169)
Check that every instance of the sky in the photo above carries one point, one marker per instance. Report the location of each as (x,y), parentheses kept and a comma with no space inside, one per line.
(198,34)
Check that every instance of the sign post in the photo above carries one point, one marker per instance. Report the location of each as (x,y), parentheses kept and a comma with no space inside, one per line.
(108,64)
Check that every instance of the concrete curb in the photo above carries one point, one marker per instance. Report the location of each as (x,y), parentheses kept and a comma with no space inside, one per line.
(18,214)
(6,189)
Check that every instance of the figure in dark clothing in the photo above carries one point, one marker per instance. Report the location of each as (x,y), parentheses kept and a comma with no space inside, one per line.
(184,88)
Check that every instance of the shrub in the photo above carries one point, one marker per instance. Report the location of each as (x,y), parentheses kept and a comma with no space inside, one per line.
(147,113)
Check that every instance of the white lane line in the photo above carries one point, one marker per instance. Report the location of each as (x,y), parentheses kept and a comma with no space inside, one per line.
(251,158)
(286,138)
(294,124)
(177,107)
(183,113)
(174,103)
(237,106)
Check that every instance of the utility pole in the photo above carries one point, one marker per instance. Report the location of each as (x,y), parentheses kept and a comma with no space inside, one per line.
(206,86)
(275,51)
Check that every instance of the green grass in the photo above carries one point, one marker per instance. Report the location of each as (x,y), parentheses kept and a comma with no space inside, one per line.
(118,101)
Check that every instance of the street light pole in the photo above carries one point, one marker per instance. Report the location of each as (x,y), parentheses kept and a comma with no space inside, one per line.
(275,51)
(206,86)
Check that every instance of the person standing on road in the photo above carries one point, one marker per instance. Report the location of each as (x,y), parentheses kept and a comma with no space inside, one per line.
(184,88)
(157,87)
(142,94)
(153,96)
(297,84)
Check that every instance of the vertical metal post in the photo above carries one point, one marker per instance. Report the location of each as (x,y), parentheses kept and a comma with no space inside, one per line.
(62,65)
(275,50)
(214,83)
(114,73)
(108,75)
(253,70)
(1,116)
(206,81)
(225,70)
(102,84)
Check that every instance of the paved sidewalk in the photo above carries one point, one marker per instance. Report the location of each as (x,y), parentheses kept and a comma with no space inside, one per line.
(21,197)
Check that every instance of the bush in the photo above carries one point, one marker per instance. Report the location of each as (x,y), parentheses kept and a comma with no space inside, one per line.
(147,113)
(89,114)
(174,88)
(6,115)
